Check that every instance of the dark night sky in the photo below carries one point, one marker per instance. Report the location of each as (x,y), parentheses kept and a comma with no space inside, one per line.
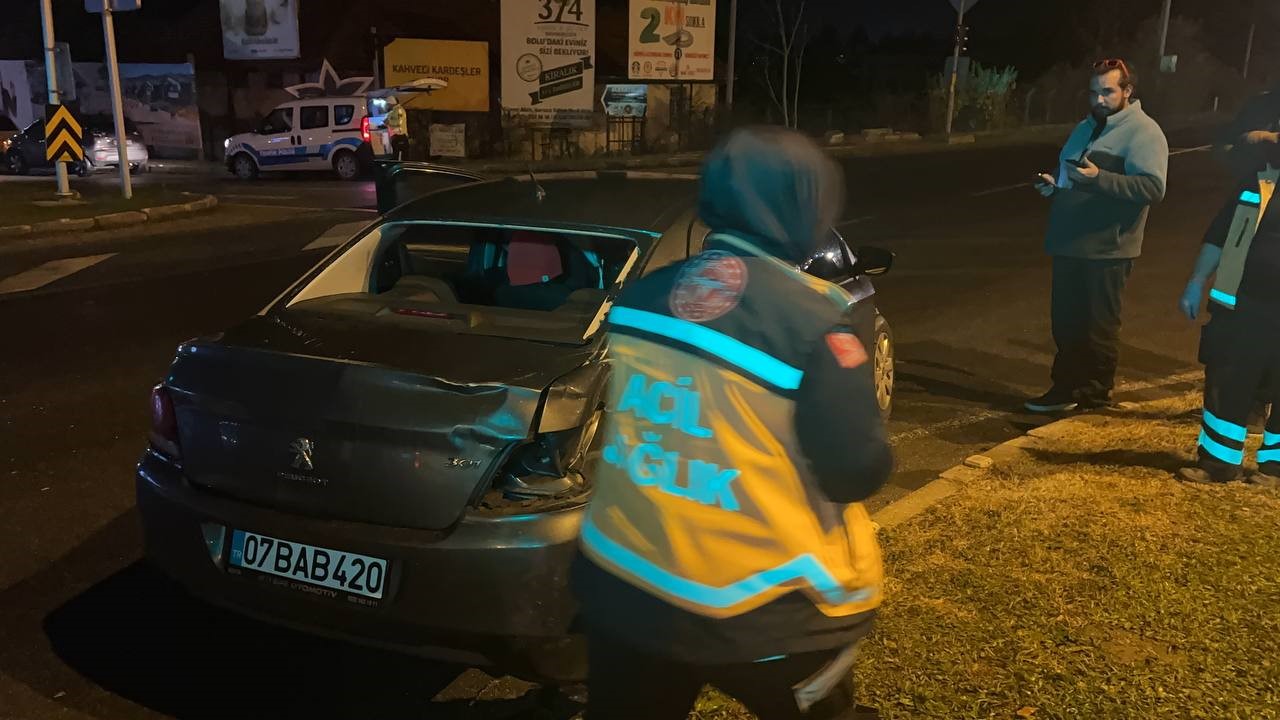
(1029,34)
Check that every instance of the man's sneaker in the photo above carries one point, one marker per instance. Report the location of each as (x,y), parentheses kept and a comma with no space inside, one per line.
(1270,482)
(1201,476)
(1053,401)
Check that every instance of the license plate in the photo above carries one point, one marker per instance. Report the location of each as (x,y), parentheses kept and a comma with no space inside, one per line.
(333,569)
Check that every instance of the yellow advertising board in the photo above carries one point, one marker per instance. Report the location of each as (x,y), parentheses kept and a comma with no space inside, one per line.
(464,64)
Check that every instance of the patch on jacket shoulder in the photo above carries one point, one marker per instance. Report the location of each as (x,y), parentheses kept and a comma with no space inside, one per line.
(708,286)
(847,349)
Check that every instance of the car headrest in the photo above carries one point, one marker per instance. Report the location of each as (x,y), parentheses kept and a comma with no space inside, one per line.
(533,258)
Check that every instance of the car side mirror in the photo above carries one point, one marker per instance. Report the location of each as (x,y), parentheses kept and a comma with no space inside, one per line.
(872,261)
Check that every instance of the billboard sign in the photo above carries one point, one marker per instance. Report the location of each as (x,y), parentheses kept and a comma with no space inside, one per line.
(464,65)
(260,29)
(625,100)
(672,40)
(548,62)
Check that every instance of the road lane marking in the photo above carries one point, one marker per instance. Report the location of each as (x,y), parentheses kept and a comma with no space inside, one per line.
(239,196)
(1007,188)
(41,275)
(336,235)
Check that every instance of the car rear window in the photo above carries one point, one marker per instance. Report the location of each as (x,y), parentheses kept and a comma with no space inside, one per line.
(498,273)
(342,114)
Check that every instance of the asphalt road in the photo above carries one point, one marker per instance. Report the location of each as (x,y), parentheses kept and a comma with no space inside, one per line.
(87,630)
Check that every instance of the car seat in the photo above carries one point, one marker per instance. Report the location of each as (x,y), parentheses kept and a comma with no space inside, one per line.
(535,273)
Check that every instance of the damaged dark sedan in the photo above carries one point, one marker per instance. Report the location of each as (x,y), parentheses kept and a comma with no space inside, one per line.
(394,451)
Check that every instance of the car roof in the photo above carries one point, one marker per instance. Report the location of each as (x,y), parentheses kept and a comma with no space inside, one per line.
(637,201)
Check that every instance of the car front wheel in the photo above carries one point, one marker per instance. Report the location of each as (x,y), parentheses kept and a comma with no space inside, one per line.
(244,167)
(883,367)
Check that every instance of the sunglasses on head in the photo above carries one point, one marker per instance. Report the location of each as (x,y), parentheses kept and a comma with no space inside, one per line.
(1111,64)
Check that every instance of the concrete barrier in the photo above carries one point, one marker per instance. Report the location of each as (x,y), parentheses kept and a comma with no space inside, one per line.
(121,219)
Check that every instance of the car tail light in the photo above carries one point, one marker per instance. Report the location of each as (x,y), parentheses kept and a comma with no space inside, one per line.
(164,423)
(365,135)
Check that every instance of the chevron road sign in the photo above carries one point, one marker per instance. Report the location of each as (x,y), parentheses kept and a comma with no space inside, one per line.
(63,136)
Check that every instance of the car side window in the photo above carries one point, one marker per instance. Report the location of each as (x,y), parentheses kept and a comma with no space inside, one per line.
(314,116)
(342,114)
(279,121)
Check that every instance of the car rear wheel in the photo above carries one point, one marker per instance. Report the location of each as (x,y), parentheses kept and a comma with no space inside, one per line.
(346,165)
(883,367)
(18,165)
(244,167)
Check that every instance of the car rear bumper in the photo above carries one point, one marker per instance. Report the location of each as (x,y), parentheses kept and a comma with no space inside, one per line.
(111,157)
(490,593)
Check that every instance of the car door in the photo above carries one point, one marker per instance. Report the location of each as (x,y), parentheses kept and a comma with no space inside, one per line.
(32,148)
(314,134)
(276,141)
(399,181)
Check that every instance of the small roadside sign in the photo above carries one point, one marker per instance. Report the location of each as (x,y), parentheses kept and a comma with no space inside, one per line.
(63,135)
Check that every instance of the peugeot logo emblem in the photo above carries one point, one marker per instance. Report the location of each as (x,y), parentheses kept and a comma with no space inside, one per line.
(302,454)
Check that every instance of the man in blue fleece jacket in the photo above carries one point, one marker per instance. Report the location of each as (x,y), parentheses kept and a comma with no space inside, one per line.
(1110,172)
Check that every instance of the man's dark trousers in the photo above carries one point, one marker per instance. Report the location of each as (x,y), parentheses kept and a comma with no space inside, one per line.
(1086,325)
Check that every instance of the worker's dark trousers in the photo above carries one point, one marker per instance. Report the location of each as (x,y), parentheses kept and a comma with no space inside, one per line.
(1241,354)
(1086,325)
(629,684)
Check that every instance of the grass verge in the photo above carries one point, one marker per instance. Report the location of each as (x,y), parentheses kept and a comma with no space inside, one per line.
(1081,581)
(17,200)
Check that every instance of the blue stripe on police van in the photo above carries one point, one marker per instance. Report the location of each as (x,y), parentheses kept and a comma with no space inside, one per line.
(1220,451)
(1223,298)
(1230,431)
(1250,197)
(805,567)
(735,352)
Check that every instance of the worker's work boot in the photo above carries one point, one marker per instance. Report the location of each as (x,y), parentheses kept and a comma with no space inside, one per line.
(1261,479)
(1200,476)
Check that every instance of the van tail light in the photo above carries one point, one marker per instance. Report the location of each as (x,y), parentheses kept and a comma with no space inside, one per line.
(164,423)
(365,135)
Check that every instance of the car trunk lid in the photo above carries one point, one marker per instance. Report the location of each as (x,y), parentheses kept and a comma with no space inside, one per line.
(357,423)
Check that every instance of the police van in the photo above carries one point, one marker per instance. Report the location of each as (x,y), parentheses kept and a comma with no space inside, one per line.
(325,133)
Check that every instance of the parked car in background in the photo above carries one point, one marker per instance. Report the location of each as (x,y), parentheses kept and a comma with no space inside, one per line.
(397,450)
(7,131)
(26,151)
(320,134)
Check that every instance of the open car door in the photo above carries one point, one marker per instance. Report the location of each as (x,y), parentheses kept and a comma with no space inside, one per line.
(399,181)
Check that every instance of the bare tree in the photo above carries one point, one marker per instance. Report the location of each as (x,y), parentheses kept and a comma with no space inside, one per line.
(784,57)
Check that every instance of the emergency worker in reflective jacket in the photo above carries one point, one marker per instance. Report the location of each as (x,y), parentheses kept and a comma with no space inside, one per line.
(1240,347)
(725,542)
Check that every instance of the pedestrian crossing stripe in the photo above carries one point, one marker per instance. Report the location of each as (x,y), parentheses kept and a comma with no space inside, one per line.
(63,135)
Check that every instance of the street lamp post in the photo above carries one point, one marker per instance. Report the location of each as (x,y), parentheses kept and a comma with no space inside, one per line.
(51,77)
(1164,30)
(955,67)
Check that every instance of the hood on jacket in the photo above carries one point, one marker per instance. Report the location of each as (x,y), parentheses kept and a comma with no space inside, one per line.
(774,188)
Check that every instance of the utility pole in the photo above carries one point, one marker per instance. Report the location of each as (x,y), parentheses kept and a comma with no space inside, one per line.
(117,102)
(955,67)
(51,77)
(1164,30)
(733,48)
(1248,49)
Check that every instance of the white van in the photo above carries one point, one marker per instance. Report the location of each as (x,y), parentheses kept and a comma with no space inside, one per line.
(325,133)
